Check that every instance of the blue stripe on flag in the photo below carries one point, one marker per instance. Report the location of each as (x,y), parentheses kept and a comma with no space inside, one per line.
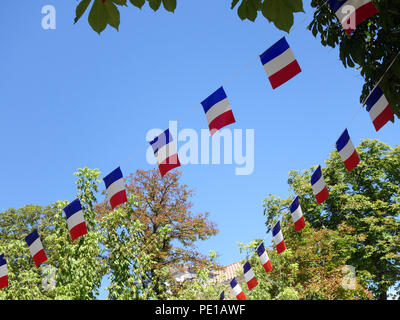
(233,283)
(294,205)
(2,260)
(31,238)
(161,140)
(342,141)
(336,4)
(74,207)
(260,249)
(275,50)
(213,99)
(316,175)
(222,295)
(246,267)
(276,229)
(373,98)
(112,177)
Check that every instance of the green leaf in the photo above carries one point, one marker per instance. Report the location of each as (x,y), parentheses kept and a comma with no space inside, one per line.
(113,15)
(251,10)
(234,3)
(242,10)
(120,2)
(169,5)
(98,16)
(80,9)
(138,3)
(280,12)
(155,4)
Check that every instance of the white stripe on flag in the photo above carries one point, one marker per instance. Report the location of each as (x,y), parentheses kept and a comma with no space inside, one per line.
(378,107)
(279,62)
(278,238)
(115,187)
(75,219)
(344,10)
(165,152)
(319,185)
(3,270)
(217,109)
(249,275)
(347,151)
(297,214)
(35,247)
(236,290)
(264,258)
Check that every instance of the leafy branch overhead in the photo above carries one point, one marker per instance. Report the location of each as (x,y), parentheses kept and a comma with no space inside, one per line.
(106,12)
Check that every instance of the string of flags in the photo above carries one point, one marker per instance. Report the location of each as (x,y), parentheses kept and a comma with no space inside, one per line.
(280,65)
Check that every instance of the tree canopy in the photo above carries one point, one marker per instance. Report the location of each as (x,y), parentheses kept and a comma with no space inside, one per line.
(367,200)
(135,245)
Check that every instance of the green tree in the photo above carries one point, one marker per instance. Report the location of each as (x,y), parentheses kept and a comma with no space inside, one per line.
(78,265)
(310,268)
(151,235)
(365,199)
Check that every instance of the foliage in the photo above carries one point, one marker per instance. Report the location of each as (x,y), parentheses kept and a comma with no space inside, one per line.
(78,265)
(152,236)
(365,199)
(106,12)
(372,46)
(310,268)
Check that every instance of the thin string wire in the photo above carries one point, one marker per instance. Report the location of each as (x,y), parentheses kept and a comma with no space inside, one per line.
(234,76)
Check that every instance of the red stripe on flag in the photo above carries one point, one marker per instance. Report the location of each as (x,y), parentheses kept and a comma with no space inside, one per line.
(241,296)
(280,247)
(221,121)
(4,282)
(285,74)
(78,231)
(352,161)
(39,257)
(268,266)
(252,283)
(362,13)
(383,118)
(169,164)
(322,196)
(299,224)
(118,198)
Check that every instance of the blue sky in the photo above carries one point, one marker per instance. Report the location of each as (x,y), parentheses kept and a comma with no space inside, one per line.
(71,98)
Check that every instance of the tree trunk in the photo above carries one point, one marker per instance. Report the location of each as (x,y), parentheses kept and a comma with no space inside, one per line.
(382,296)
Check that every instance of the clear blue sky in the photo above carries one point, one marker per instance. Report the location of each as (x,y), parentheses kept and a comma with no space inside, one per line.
(71,98)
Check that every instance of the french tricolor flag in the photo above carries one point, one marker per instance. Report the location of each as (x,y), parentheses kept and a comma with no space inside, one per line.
(278,238)
(75,220)
(249,276)
(115,187)
(279,63)
(297,214)
(352,12)
(218,111)
(263,255)
(3,272)
(347,151)
(36,248)
(379,108)
(319,186)
(237,290)
(165,152)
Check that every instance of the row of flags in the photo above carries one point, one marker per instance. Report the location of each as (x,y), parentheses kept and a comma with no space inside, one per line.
(280,66)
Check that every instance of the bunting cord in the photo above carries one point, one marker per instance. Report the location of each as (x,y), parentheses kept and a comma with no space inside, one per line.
(248,65)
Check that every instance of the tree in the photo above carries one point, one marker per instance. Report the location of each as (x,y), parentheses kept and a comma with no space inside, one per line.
(78,265)
(310,268)
(366,200)
(156,233)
